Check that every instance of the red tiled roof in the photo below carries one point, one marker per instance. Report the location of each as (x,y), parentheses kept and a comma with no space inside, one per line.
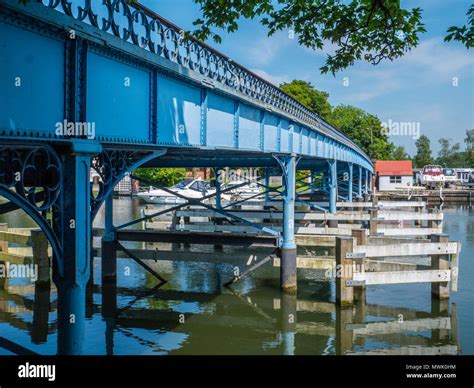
(393,167)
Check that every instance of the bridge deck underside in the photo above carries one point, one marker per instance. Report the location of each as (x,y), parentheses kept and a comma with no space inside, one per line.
(213,158)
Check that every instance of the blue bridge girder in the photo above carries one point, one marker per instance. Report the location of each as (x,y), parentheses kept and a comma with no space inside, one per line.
(132,90)
(113,86)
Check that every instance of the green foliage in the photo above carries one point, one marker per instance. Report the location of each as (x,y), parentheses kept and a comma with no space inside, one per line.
(469,141)
(450,155)
(464,34)
(312,98)
(399,153)
(447,152)
(363,129)
(423,152)
(369,30)
(163,176)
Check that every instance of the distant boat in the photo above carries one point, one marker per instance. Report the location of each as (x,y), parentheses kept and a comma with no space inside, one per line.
(432,176)
(246,191)
(450,177)
(190,188)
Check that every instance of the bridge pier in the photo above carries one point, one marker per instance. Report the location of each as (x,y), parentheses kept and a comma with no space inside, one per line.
(371,183)
(288,280)
(332,185)
(266,174)
(109,264)
(366,181)
(359,183)
(349,192)
(366,187)
(217,172)
(76,227)
(288,322)
(313,174)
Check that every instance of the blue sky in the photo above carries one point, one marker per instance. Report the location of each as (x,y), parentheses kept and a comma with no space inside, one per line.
(417,88)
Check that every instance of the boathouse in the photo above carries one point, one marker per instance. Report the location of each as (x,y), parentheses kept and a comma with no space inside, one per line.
(393,174)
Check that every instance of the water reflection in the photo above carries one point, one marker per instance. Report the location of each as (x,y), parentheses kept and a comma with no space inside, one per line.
(231,323)
(193,314)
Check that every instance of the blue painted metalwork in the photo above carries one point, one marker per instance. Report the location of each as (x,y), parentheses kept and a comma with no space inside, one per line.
(179,89)
(366,182)
(345,181)
(359,183)
(176,102)
(31,177)
(197,202)
(217,175)
(109,219)
(288,245)
(112,165)
(267,184)
(76,232)
(332,185)
(288,166)
(351,182)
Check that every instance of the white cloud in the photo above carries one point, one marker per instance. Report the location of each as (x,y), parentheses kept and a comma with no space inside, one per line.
(432,62)
(372,83)
(265,50)
(446,60)
(274,79)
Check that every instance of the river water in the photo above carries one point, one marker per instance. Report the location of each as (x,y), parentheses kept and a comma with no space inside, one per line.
(193,314)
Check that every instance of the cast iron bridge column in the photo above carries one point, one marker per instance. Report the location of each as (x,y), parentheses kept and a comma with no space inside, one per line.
(288,278)
(76,234)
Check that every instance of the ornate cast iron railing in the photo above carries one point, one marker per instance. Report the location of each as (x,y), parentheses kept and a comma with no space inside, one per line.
(140,26)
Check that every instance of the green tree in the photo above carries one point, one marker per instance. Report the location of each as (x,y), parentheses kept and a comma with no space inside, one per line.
(370,30)
(364,129)
(464,34)
(450,155)
(163,176)
(399,153)
(469,141)
(423,152)
(361,127)
(312,98)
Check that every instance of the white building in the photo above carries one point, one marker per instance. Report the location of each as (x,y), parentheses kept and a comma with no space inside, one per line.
(393,174)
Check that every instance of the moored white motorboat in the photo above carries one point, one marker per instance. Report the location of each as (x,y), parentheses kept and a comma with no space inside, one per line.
(432,176)
(189,188)
(249,190)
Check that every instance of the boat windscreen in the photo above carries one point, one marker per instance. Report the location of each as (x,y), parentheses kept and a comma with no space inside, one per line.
(449,171)
(182,184)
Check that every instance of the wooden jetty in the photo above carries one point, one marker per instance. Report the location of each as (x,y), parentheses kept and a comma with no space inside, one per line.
(383,238)
(368,243)
(460,195)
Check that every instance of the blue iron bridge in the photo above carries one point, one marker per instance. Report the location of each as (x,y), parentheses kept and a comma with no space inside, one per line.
(113,86)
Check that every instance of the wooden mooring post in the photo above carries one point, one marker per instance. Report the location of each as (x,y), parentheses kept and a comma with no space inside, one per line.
(373,212)
(3,248)
(440,290)
(375,201)
(434,223)
(361,239)
(344,318)
(344,294)
(39,244)
(351,260)
(418,210)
